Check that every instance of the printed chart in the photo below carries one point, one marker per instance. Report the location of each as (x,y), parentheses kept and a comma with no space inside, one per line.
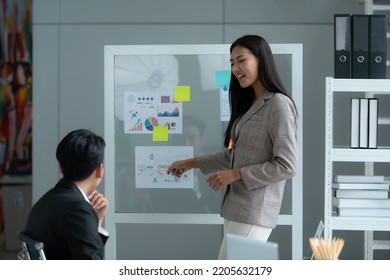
(152,162)
(143,111)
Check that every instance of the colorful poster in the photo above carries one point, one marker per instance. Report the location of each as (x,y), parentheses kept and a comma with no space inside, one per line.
(152,162)
(15,87)
(143,111)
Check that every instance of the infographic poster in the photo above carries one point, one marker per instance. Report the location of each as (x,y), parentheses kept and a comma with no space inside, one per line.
(152,162)
(143,111)
(224,103)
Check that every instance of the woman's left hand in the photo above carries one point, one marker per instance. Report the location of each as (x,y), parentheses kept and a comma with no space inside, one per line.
(222,178)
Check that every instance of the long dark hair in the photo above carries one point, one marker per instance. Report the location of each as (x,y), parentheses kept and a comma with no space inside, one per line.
(241,99)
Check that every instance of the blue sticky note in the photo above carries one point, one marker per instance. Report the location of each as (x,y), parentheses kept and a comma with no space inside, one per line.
(222,77)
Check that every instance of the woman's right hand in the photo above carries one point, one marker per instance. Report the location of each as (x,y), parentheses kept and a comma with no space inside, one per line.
(177,168)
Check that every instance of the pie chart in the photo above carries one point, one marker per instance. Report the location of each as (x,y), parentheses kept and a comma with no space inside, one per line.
(150,122)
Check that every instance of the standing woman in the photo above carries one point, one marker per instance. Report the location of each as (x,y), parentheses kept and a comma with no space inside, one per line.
(262,155)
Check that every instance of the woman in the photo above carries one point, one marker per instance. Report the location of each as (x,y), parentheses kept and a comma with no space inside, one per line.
(262,156)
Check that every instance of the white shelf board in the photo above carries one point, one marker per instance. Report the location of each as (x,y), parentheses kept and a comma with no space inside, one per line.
(360,223)
(360,155)
(381,7)
(361,85)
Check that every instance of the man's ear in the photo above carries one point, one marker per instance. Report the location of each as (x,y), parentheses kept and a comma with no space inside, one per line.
(60,168)
(100,171)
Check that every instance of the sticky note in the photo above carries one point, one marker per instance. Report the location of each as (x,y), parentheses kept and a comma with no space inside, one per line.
(222,77)
(182,93)
(160,133)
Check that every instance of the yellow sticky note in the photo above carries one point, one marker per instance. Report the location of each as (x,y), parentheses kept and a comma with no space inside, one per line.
(182,93)
(160,133)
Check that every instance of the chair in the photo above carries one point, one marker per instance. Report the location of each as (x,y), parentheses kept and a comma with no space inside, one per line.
(31,249)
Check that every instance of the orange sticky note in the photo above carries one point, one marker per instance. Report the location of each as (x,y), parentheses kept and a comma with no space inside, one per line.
(160,133)
(182,94)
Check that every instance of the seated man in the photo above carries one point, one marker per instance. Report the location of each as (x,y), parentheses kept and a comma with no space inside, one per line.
(68,218)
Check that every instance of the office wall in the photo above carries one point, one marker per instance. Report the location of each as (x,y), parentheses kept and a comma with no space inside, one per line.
(69,36)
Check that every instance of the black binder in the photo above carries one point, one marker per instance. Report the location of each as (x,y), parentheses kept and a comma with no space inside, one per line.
(360,39)
(342,46)
(377,56)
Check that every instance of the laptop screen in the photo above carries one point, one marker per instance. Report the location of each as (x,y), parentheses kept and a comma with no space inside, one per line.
(242,248)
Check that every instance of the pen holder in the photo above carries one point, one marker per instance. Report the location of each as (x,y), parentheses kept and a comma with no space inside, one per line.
(326,250)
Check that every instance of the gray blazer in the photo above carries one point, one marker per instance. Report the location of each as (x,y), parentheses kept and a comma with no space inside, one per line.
(264,148)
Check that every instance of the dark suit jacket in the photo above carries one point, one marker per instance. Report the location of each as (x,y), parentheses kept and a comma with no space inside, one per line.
(66,224)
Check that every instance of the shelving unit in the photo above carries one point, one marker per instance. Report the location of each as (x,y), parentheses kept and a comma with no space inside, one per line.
(375,7)
(345,154)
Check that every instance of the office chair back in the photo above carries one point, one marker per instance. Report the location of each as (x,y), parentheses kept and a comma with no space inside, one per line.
(31,248)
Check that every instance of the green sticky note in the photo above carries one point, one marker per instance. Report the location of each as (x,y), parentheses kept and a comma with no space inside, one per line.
(222,77)
(160,133)
(182,93)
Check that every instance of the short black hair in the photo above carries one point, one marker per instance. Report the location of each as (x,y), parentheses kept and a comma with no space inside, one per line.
(79,154)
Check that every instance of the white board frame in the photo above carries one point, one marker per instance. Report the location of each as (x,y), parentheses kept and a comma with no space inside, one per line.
(295,219)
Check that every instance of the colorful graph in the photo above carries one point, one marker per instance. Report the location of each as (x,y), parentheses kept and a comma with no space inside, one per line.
(135,123)
(137,127)
(171,126)
(144,111)
(150,122)
(165,99)
(174,113)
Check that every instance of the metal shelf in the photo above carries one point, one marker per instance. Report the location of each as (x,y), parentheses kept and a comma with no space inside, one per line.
(360,223)
(346,154)
(360,155)
(361,85)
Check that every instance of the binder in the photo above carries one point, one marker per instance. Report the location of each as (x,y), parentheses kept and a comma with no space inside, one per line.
(360,39)
(363,194)
(361,203)
(342,46)
(373,123)
(361,186)
(355,122)
(363,123)
(377,47)
(363,212)
(359,179)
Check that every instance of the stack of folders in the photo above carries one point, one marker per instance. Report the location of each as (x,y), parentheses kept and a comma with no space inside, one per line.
(360,50)
(361,196)
(364,123)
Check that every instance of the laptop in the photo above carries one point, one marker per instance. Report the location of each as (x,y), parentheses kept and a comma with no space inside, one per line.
(242,248)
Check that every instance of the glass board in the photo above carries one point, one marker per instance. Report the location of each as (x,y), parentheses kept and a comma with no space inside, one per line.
(166,103)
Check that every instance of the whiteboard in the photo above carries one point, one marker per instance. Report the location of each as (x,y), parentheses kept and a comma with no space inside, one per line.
(182,88)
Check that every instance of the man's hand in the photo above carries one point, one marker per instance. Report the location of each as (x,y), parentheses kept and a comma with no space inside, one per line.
(100,203)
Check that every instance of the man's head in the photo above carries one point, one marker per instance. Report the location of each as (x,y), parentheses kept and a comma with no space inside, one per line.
(79,154)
